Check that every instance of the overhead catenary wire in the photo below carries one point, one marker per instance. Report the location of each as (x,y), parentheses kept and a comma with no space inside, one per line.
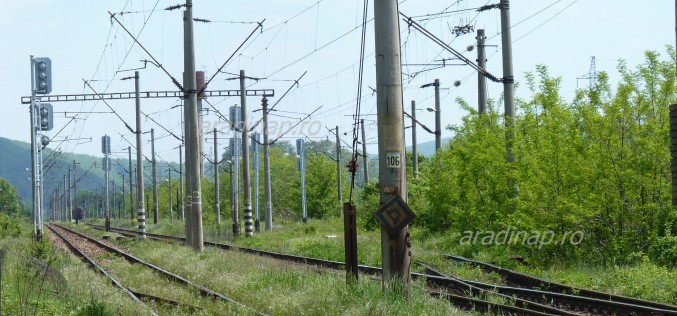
(352,166)
(108,105)
(546,21)
(157,63)
(444,45)
(260,25)
(120,64)
(295,84)
(291,128)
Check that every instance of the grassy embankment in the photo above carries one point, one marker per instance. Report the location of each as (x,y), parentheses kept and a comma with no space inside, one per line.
(279,288)
(37,279)
(643,279)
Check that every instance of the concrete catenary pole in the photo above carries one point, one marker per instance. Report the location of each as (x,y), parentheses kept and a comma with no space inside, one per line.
(66,190)
(140,211)
(268,212)
(69,216)
(232,194)
(395,249)
(248,227)
(114,199)
(187,121)
(169,188)
(301,151)
(235,153)
(75,189)
(154,165)
(481,79)
(131,185)
(365,158)
(181,182)
(200,82)
(438,117)
(256,165)
(414,152)
(508,79)
(124,200)
(217,188)
(107,201)
(338,172)
(192,154)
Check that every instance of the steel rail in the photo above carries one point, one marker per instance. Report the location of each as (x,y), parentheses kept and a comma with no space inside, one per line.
(469,303)
(595,305)
(177,278)
(568,302)
(527,281)
(98,268)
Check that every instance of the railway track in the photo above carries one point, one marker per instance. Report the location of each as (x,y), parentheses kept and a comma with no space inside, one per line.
(528,301)
(133,295)
(457,297)
(572,304)
(529,282)
(203,291)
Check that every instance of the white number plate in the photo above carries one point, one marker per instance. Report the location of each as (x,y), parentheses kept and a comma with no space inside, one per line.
(393,160)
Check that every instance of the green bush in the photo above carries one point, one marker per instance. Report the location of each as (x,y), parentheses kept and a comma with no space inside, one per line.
(368,204)
(94,308)
(9,227)
(664,251)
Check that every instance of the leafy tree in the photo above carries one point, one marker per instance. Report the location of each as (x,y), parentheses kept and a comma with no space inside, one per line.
(599,164)
(9,199)
(320,187)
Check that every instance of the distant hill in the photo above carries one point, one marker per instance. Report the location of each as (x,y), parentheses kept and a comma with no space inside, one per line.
(15,166)
(428,148)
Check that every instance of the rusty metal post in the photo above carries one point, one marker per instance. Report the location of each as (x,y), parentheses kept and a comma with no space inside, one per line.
(350,238)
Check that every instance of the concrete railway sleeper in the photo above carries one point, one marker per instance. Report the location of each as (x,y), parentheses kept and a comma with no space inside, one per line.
(204,292)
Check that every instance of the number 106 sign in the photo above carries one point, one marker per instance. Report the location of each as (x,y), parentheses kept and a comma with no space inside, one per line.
(393,160)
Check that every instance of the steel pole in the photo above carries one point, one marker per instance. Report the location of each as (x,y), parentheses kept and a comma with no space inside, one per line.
(266,168)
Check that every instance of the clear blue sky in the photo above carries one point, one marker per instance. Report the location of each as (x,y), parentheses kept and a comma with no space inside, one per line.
(84,43)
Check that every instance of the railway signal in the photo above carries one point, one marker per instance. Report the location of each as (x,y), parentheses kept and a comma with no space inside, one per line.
(43,75)
(46,117)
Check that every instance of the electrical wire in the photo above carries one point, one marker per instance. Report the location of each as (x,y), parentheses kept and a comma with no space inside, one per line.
(353,162)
